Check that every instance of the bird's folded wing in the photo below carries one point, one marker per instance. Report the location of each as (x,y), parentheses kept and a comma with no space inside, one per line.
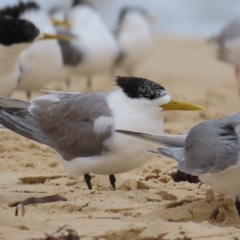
(75,125)
(163,139)
(175,153)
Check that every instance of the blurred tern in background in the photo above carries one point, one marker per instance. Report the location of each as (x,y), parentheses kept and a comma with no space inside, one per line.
(211,151)
(42,61)
(80,126)
(94,48)
(228,43)
(16,35)
(134,37)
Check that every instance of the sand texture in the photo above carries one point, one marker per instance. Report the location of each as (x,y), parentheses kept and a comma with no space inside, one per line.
(147,204)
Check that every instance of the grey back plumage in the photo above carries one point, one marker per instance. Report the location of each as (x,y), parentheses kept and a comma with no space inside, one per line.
(64,121)
(212,146)
(164,139)
(229,32)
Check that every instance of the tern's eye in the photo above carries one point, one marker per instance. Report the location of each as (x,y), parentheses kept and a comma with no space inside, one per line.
(149,96)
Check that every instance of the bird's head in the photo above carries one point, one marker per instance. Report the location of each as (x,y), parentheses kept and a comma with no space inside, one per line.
(152,94)
(15,31)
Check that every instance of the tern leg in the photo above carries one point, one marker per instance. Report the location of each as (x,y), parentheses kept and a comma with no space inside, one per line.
(89,83)
(87,179)
(112,180)
(68,83)
(28,94)
(237,205)
(237,74)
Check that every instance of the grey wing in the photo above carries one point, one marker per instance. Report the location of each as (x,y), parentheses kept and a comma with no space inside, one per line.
(75,125)
(72,55)
(176,153)
(229,32)
(163,139)
(212,146)
(15,103)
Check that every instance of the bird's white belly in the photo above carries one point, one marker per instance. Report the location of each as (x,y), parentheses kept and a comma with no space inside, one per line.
(226,182)
(106,165)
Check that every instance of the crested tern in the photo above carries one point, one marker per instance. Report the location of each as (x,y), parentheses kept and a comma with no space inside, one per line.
(228,43)
(211,151)
(16,35)
(94,48)
(134,37)
(41,62)
(80,125)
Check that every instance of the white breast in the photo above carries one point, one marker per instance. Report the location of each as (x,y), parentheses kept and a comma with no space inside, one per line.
(42,61)
(226,182)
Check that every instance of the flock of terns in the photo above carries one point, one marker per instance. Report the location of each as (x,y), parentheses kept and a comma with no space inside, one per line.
(107,133)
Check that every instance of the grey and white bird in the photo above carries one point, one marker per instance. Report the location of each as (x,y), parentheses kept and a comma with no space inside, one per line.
(16,35)
(42,61)
(94,49)
(211,151)
(228,46)
(80,126)
(135,38)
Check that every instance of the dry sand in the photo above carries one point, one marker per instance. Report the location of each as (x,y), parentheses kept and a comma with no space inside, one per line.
(140,209)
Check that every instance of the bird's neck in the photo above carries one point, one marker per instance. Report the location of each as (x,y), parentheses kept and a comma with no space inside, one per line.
(134,114)
(9,55)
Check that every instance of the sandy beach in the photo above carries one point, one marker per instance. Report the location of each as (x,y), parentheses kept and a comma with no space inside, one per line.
(142,207)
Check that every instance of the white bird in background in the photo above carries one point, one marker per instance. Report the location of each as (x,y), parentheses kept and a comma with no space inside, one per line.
(42,61)
(134,37)
(16,35)
(48,5)
(80,126)
(228,43)
(94,49)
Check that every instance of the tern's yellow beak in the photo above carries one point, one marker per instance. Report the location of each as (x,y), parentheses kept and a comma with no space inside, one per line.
(58,37)
(183,106)
(57,22)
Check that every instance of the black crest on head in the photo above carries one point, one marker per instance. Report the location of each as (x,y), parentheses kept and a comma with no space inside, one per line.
(78,2)
(135,87)
(17,10)
(14,31)
(124,11)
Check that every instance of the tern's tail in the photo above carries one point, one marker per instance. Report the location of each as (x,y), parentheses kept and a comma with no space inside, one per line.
(177,141)
(15,116)
(176,153)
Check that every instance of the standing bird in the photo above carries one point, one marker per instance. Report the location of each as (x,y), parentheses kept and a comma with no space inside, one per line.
(228,43)
(80,126)
(94,49)
(16,35)
(42,61)
(211,151)
(134,37)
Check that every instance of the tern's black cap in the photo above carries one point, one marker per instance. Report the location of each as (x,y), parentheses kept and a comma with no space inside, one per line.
(135,87)
(17,10)
(13,31)
(125,10)
(81,2)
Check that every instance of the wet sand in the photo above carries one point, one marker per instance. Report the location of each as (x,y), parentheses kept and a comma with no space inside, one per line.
(156,208)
